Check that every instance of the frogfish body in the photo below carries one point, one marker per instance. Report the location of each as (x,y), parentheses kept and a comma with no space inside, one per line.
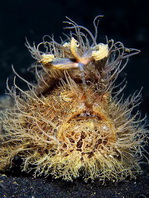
(72,123)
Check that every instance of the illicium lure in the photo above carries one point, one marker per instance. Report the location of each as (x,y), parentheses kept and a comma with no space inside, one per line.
(72,122)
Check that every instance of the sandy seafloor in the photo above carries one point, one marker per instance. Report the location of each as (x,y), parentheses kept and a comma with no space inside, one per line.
(29,187)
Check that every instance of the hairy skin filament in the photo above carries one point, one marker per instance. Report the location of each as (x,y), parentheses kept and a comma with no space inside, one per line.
(73,123)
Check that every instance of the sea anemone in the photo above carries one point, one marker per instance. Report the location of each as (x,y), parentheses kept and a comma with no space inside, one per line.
(72,122)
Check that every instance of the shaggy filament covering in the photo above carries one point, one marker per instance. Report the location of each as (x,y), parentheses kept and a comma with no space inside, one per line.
(73,122)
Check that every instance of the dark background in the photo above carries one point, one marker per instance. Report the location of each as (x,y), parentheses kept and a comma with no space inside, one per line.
(126,21)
